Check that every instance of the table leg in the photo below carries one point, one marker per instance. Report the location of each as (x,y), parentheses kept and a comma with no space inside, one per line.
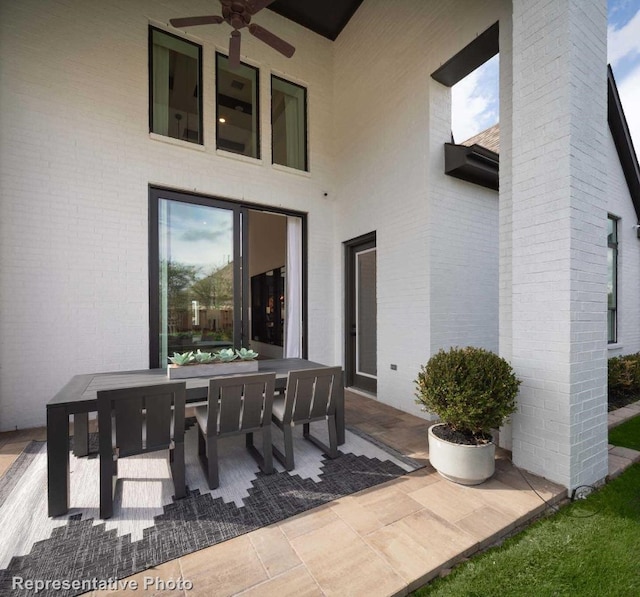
(81,434)
(58,460)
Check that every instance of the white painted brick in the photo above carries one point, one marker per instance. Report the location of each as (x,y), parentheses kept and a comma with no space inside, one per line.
(76,160)
(558,269)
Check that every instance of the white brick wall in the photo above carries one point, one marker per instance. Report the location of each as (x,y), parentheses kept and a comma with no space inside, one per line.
(391,123)
(463,221)
(76,160)
(558,234)
(620,205)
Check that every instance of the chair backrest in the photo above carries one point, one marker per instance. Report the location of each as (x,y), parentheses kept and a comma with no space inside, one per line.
(240,402)
(147,418)
(312,393)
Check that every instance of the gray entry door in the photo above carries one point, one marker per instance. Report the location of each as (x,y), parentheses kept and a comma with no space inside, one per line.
(361,313)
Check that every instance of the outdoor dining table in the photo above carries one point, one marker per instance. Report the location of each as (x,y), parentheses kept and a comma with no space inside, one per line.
(79,398)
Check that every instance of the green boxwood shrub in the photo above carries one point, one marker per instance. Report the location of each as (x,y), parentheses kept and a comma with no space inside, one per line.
(471,389)
(624,375)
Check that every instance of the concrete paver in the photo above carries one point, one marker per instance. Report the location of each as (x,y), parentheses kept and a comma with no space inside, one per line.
(387,540)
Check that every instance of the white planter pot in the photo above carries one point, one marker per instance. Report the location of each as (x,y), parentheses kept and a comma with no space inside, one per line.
(211,369)
(466,465)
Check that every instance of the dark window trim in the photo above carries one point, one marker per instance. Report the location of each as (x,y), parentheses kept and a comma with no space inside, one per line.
(200,87)
(306,121)
(484,47)
(614,309)
(257,111)
(240,239)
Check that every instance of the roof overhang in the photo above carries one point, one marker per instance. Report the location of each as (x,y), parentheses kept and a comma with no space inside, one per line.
(623,142)
(473,163)
(325,17)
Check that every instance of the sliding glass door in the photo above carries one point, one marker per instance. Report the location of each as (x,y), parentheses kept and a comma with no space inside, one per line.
(199,285)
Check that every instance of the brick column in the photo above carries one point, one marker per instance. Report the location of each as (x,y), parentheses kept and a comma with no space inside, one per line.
(558,239)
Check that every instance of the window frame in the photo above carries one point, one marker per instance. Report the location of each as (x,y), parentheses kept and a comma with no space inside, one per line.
(199,84)
(306,122)
(257,110)
(613,310)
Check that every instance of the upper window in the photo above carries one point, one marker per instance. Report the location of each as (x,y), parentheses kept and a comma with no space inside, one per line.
(175,83)
(288,123)
(612,279)
(237,114)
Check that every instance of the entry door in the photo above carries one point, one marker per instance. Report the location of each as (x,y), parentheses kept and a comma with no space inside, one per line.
(361,313)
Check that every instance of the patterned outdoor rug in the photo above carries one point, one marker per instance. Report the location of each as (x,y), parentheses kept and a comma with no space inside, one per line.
(150,527)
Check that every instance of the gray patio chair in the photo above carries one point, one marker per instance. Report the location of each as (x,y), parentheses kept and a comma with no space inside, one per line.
(147,419)
(311,395)
(239,404)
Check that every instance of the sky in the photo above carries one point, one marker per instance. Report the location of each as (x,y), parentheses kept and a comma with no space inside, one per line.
(474,100)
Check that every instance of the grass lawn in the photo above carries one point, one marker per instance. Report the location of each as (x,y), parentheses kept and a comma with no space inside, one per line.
(627,434)
(590,548)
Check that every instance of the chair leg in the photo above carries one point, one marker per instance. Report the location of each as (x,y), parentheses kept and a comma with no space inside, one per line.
(288,447)
(176,459)
(267,449)
(332,449)
(305,430)
(202,445)
(212,462)
(333,436)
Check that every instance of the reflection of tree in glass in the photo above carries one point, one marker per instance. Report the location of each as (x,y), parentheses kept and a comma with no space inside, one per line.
(180,277)
(215,290)
(211,294)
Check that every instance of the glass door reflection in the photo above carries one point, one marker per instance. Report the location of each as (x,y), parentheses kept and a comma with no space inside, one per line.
(196,278)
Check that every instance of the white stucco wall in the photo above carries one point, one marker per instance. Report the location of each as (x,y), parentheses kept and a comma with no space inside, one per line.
(619,204)
(76,160)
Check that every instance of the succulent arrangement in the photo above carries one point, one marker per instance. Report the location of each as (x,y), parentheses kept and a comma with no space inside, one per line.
(226,355)
(246,354)
(204,357)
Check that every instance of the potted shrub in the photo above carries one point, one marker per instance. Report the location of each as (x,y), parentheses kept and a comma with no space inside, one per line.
(472,391)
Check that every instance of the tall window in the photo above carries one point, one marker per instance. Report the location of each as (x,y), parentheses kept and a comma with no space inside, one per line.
(288,123)
(237,114)
(612,281)
(175,83)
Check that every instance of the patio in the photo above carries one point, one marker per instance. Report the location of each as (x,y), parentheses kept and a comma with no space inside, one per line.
(387,540)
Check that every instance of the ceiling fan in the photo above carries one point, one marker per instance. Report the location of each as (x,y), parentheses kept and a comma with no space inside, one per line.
(238,13)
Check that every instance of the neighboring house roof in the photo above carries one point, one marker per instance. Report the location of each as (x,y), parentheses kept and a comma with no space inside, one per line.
(477,159)
(489,139)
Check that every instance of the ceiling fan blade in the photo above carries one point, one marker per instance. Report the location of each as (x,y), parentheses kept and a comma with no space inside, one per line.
(272,40)
(191,21)
(257,5)
(234,50)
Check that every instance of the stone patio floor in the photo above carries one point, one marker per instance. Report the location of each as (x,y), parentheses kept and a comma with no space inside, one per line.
(388,540)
